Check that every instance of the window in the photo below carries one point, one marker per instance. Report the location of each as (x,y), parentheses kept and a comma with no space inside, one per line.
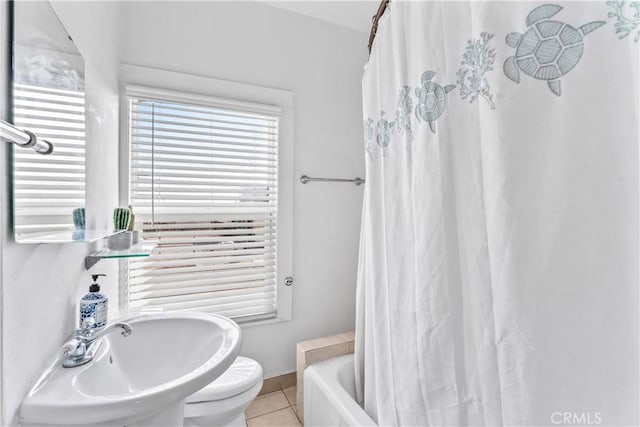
(203,184)
(48,188)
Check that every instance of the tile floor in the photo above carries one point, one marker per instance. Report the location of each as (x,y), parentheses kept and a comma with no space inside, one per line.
(276,409)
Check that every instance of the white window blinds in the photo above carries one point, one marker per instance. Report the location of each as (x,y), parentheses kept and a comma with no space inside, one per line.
(203,185)
(48,188)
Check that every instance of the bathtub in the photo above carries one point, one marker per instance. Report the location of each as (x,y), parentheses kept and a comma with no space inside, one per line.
(330,395)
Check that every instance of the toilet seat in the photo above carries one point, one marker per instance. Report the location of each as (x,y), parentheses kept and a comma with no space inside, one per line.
(242,375)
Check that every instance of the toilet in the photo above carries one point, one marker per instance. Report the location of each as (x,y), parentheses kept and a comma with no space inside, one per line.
(223,401)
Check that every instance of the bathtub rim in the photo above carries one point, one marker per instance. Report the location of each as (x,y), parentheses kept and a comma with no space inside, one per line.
(326,376)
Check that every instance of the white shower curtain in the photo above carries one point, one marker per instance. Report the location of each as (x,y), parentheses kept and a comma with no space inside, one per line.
(498,275)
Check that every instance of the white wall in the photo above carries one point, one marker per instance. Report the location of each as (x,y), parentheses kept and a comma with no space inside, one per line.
(42,283)
(322,64)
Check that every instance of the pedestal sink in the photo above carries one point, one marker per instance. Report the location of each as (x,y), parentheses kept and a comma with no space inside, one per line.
(140,380)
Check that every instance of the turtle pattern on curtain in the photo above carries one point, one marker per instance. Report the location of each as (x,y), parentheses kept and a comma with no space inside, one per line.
(547,50)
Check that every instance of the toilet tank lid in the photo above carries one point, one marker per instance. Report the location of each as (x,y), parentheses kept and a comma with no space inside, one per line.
(243,374)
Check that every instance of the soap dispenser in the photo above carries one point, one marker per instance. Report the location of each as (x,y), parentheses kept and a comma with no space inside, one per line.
(94,304)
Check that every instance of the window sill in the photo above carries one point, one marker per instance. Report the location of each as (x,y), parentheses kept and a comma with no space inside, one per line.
(123,314)
(263,322)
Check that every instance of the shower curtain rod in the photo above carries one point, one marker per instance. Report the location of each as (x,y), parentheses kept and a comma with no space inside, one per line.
(375,18)
(357,181)
(24,138)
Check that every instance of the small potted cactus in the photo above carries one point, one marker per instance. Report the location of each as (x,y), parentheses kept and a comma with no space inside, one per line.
(79,223)
(123,238)
(79,218)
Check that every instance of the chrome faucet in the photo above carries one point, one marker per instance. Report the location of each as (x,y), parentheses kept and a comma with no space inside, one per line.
(85,342)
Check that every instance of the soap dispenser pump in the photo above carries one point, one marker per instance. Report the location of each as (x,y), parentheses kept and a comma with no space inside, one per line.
(94,304)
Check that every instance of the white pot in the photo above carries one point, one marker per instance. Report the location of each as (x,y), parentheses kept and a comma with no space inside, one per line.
(120,242)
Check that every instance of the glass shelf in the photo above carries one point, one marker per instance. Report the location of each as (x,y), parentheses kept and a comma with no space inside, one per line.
(138,250)
(142,249)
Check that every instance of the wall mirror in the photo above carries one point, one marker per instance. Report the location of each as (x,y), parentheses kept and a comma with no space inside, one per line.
(47,99)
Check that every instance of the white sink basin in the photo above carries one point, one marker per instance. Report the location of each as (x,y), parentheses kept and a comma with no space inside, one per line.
(131,379)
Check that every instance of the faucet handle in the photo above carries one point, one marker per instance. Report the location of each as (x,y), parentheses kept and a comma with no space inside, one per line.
(86,328)
(68,348)
(73,348)
(87,323)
